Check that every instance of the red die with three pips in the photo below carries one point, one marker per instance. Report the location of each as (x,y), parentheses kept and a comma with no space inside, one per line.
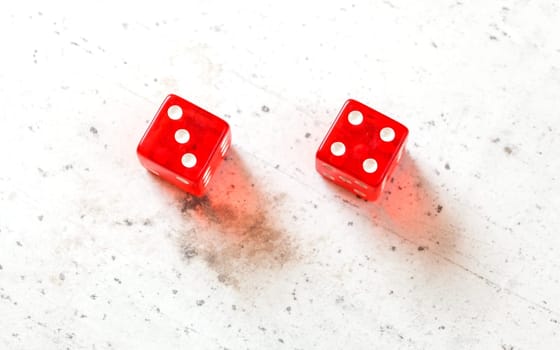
(184,144)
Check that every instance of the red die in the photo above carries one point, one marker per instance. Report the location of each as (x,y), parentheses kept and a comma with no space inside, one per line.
(184,144)
(361,149)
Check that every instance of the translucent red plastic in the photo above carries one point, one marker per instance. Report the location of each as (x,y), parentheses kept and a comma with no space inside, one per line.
(372,145)
(184,144)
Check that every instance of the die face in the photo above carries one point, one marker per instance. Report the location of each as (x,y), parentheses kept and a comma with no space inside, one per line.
(184,144)
(361,149)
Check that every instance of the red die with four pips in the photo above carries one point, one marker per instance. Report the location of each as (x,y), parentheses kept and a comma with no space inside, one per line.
(184,144)
(361,149)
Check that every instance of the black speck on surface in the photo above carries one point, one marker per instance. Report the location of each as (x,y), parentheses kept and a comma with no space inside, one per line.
(289,308)
(93,130)
(508,150)
(19,243)
(350,223)
(439,208)
(1,268)
(265,109)
(68,167)
(393,248)
(277,166)
(175,291)
(117,280)
(281,340)
(447,167)
(307,135)
(496,140)
(422,248)
(61,276)
(189,252)
(42,172)
(492,37)
(40,217)
(93,297)
(127,222)
(200,302)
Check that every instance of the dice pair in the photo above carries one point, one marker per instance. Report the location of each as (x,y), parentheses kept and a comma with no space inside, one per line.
(184,144)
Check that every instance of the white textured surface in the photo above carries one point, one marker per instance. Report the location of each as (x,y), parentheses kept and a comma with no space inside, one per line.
(462,252)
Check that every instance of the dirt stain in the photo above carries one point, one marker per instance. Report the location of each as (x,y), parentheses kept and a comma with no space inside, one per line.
(234,229)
